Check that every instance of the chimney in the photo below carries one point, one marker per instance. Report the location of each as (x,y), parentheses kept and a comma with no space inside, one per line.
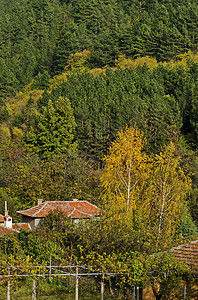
(8,222)
(39,201)
(6,209)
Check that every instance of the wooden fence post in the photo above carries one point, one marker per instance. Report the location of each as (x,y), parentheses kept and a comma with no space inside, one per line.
(8,286)
(50,270)
(34,289)
(185,292)
(102,287)
(76,290)
(8,291)
(134,292)
(38,287)
(138,293)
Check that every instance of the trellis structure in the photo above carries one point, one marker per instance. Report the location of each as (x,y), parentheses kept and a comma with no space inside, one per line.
(42,271)
(51,271)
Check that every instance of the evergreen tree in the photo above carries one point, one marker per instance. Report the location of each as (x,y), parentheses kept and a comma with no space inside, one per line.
(54,130)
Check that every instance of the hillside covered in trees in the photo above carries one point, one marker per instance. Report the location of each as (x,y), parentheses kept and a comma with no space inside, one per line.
(39,36)
(99,101)
(74,73)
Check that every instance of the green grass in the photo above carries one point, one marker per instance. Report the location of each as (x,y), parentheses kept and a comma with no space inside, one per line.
(58,289)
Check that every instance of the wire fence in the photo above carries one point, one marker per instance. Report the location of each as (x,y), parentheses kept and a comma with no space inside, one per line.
(75,271)
(50,271)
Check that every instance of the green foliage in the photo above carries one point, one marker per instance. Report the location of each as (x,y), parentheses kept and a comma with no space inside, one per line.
(40,36)
(188,227)
(26,177)
(167,274)
(51,36)
(41,39)
(41,81)
(27,37)
(104,104)
(4,114)
(190,163)
(53,132)
(56,238)
(11,205)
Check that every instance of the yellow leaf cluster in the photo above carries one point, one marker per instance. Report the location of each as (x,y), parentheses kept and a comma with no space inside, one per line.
(145,194)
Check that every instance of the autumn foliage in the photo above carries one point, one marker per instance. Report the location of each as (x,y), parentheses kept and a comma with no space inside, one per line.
(143,194)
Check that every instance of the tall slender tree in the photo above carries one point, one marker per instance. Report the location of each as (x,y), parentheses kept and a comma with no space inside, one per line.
(144,196)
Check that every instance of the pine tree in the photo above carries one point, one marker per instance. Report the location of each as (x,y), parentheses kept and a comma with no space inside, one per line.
(54,131)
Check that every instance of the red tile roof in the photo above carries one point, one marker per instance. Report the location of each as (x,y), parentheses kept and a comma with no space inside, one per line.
(187,253)
(5,230)
(72,209)
(1,218)
(15,228)
(19,226)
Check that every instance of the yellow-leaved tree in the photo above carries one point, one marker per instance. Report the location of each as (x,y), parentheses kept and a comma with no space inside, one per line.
(125,187)
(126,170)
(169,189)
(144,195)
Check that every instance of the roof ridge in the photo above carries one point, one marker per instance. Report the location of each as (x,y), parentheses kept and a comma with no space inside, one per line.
(42,206)
(21,223)
(73,210)
(84,213)
(68,205)
(174,248)
(92,204)
(180,246)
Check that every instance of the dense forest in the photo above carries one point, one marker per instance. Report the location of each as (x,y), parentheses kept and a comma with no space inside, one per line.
(73,75)
(39,36)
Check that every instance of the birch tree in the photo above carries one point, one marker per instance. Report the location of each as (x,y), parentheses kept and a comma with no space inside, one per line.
(170,187)
(124,179)
(144,195)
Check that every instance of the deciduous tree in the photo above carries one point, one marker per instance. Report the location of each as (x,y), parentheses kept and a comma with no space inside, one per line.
(169,190)
(144,196)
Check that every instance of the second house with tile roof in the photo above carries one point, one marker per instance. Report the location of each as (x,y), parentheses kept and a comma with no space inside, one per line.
(8,227)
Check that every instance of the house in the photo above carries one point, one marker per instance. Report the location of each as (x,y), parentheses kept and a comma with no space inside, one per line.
(6,225)
(188,254)
(5,231)
(75,210)
(15,228)
(1,220)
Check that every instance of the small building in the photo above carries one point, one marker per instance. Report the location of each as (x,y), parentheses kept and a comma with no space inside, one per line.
(15,228)
(75,210)
(5,231)
(188,254)
(6,225)
(1,220)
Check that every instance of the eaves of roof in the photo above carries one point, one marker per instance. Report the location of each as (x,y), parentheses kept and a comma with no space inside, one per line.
(72,209)
(1,218)
(187,253)
(5,230)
